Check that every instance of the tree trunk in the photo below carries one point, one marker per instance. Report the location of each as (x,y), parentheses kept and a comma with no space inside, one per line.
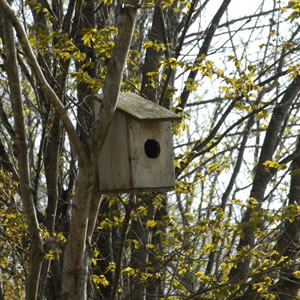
(36,244)
(76,256)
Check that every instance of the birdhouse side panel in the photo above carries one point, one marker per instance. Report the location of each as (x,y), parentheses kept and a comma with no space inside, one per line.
(151,155)
(114,167)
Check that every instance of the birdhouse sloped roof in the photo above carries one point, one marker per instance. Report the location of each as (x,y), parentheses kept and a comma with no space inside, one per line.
(142,109)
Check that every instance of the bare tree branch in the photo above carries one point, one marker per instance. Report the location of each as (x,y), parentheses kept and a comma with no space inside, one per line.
(39,76)
(203,51)
(36,244)
(263,176)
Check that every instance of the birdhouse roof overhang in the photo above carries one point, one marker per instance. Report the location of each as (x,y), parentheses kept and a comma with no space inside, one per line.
(142,109)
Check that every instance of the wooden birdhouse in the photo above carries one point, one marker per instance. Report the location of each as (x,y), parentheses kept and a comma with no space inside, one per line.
(138,152)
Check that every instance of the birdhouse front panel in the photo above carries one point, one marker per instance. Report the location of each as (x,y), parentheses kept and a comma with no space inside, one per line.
(151,155)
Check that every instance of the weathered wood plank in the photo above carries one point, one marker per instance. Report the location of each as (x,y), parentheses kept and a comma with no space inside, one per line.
(142,109)
(147,172)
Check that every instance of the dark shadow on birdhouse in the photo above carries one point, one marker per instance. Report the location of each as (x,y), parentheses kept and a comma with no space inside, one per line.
(138,152)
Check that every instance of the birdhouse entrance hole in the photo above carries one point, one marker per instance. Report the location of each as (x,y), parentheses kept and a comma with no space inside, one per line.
(152,148)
